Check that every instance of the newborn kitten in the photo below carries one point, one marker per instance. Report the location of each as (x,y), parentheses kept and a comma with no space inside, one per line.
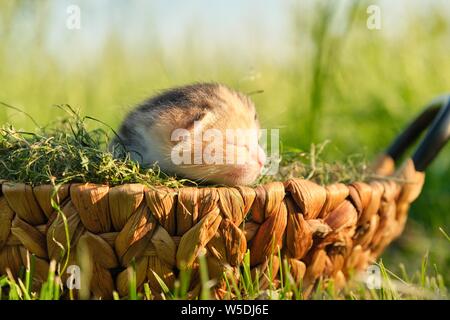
(151,134)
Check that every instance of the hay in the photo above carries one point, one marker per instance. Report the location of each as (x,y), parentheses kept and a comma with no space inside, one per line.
(68,152)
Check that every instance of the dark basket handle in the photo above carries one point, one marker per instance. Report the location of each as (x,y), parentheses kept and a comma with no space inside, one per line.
(437,113)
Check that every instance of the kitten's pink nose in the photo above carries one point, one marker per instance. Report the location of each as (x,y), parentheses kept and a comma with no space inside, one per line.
(261,157)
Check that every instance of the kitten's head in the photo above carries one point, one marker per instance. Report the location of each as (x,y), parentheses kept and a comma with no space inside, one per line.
(207,132)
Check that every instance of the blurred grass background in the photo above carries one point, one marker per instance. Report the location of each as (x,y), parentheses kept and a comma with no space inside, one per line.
(324,76)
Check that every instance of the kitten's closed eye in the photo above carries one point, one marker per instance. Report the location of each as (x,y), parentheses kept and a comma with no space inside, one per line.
(196,118)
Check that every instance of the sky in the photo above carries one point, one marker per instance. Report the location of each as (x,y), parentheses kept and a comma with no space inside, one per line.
(168,22)
(243,24)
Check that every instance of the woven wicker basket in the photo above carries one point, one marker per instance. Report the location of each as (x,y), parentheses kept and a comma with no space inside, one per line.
(323,232)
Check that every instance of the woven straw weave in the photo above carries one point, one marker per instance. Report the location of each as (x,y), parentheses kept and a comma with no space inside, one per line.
(322,232)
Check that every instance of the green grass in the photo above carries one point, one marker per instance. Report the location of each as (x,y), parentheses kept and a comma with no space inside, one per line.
(355,87)
(424,284)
